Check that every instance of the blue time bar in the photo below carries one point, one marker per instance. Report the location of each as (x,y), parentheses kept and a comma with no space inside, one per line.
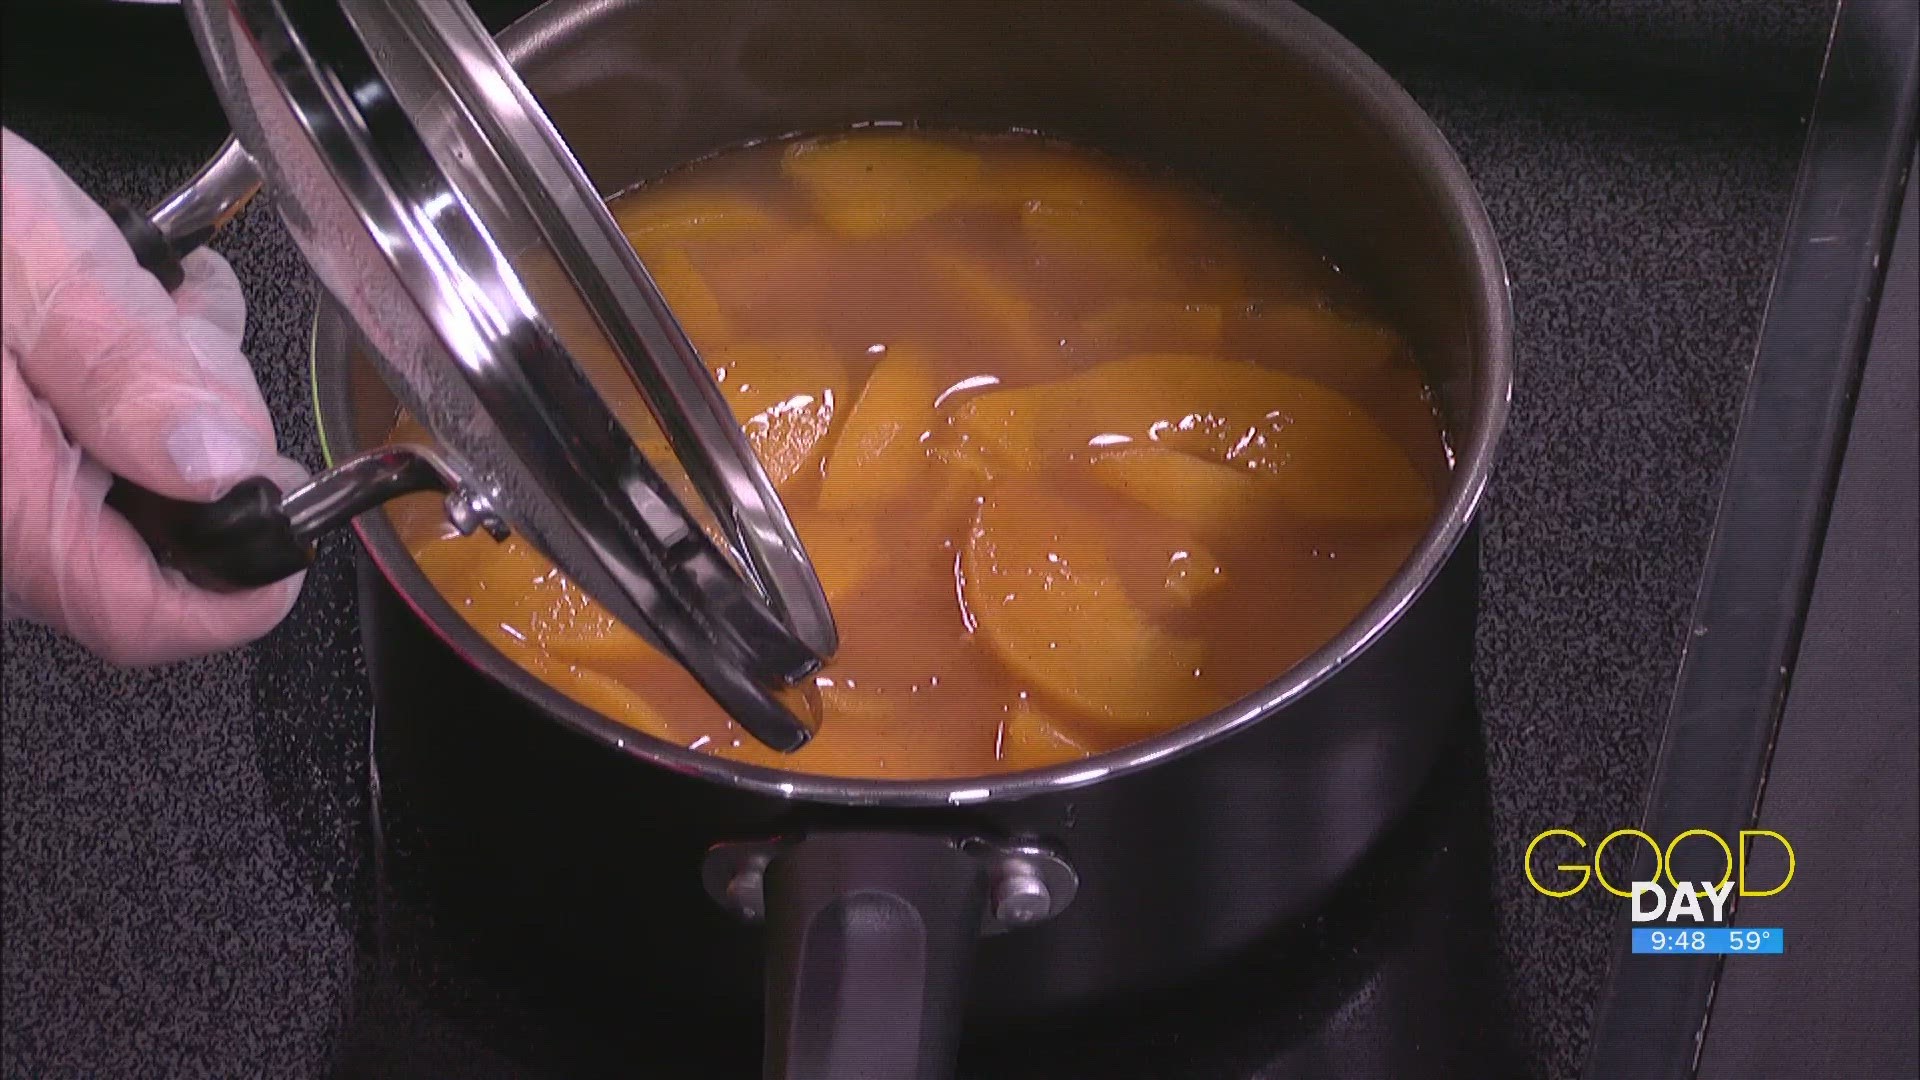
(1708,940)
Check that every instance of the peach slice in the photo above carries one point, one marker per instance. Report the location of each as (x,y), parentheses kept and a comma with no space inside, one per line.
(865,185)
(653,221)
(1006,315)
(960,459)
(841,697)
(1316,451)
(786,398)
(1029,739)
(1079,207)
(1194,491)
(1193,573)
(521,595)
(1046,599)
(600,692)
(521,603)
(1314,340)
(881,454)
(687,293)
(843,550)
(1115,230)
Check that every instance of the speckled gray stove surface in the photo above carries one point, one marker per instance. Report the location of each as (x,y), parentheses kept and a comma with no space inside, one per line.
(166,910)
(179,845)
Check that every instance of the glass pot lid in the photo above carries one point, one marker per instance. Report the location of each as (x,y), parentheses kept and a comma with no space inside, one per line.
(506,310)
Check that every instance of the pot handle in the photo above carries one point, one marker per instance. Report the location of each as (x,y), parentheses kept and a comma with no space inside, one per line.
(870,939)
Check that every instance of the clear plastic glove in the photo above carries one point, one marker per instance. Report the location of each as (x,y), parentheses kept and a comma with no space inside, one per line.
(107,374)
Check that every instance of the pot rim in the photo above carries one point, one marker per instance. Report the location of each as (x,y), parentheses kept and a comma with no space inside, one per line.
(1427,150)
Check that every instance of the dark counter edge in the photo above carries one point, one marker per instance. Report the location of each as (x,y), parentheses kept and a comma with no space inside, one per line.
(1757,586)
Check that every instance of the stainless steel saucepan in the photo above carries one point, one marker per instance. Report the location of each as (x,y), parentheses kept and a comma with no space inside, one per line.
(875,914)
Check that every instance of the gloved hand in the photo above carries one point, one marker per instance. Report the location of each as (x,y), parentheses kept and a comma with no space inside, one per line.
(107,374)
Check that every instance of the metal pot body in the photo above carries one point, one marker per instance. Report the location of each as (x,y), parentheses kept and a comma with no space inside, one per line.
(593,861)
(1182,858)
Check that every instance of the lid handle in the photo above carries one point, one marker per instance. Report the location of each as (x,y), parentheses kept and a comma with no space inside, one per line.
(254,535)
(243,540)
(189,217)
